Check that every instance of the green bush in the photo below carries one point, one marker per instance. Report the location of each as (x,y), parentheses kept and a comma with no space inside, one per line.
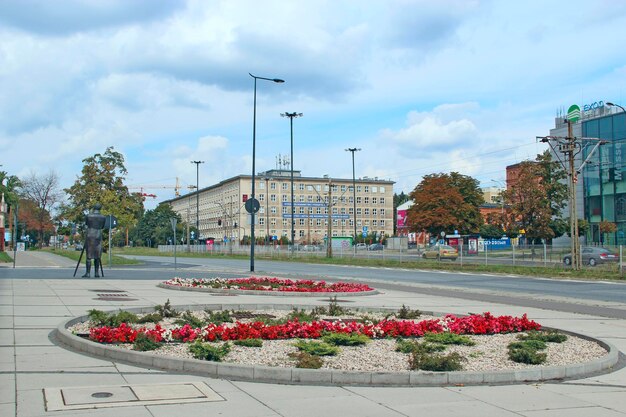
(526,351)
(188,318)
(166,310)
(344,339)
(406,313)
(302,316)
(100,318)
(249,342)
(145,343)
(306,360)
(208,352)
(150,318)
(334,309)
(436,362)
(448,338)
(411,345)
(548,337)
(316,348)
(219,317)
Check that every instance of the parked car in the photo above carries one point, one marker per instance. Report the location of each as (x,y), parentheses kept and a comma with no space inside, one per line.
(441,252)
(361,246)
(310,248)
(592,256)
(376,246)
(78,246)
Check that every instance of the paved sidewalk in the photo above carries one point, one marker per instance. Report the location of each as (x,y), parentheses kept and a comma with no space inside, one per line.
(30,362)
(38,259)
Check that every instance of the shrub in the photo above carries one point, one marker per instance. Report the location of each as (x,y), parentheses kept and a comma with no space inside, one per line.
(345,339)
(334,309)
(436,362)
(548,337)
(100,318)
(302,316)
(448,338)
(249,342)
(208,352)
(166,310)
(150,318)
(316,348)
(409,346)
(407,314)
(306,360)
(527,352)
(219,317)
(144,343)
(188,318)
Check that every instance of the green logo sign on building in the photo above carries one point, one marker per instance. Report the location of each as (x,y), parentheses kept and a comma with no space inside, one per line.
(573,113)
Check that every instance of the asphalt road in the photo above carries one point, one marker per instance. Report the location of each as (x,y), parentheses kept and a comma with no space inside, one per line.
(601,298)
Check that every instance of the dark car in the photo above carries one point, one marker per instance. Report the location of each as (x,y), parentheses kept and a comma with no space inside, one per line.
(593,256)
(376,246)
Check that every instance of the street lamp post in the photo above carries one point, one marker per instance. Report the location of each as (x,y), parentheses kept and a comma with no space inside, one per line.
(353,150)
(293,232)
(197,196)
(252,212)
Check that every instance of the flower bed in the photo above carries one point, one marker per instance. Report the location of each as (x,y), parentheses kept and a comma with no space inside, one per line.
(269,284)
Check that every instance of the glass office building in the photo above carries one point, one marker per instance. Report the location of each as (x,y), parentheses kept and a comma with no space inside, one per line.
(604,177)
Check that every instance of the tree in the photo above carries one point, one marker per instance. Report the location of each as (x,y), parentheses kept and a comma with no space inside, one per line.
(43,191)
(102,181)
(491,231)
(553,180)
(446,202)
(155,226)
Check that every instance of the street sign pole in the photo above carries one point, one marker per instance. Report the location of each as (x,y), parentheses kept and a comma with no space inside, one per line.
(110,259)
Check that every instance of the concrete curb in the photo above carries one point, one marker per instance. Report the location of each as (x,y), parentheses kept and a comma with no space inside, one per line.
(277,375)
(270,293)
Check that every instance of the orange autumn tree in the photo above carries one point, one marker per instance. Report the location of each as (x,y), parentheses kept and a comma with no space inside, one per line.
(444,203)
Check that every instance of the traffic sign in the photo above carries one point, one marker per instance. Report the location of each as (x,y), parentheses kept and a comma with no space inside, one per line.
(364,234)
(110,222)
(364,229)
(252,205)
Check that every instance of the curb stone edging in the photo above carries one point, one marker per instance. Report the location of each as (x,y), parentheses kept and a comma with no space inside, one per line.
(258,373)
(269,293)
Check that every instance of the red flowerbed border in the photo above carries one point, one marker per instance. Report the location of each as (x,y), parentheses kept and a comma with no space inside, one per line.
(474,324)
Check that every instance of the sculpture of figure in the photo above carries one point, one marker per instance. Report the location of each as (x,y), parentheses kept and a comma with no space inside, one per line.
(93,242)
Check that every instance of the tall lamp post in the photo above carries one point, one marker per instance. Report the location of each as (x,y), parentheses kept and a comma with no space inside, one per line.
(353,150)
(252,212)
(293,232)
(197,197)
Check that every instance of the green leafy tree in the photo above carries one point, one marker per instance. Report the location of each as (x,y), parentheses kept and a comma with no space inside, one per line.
(446,202)
(155,226)
(9,185)
(102,181)
(491,231)
(553,181)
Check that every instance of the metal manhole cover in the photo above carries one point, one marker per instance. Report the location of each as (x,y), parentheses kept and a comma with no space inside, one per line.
(115,299)
(107,290)
(102,394)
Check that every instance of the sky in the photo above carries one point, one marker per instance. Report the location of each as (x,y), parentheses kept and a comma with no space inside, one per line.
(420,86)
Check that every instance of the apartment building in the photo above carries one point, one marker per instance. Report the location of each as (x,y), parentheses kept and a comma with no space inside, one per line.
(316,199)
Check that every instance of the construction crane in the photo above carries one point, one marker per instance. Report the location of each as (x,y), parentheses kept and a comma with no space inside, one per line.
(176,188)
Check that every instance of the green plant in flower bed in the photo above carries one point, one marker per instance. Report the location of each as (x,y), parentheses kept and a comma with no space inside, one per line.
(334,309)
(436,362)
(150,318)
(188,318)
(306,360)
(527,351)
(100,318)
(345,339)
(208,352)
(317,348)
(145,343)
(410,345)
(448,338)
(550,336)
(302,316)
(166,310)
(406,313)
(218,317)
(249,342)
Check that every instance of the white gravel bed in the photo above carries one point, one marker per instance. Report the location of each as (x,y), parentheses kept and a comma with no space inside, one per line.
(489,354)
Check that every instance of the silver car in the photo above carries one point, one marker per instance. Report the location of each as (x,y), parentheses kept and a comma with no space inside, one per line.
(592,256)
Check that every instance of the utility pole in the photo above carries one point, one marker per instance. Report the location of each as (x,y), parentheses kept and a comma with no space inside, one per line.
(329,240)
(570,146)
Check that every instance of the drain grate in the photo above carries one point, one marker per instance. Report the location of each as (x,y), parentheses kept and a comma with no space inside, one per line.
(77,398)
(116,297)
(107,290)
(112,295)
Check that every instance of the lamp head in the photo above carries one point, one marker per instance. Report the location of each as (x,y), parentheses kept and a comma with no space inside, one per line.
(608,103)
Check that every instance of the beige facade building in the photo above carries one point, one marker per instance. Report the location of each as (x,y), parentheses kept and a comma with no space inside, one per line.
(222,213)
